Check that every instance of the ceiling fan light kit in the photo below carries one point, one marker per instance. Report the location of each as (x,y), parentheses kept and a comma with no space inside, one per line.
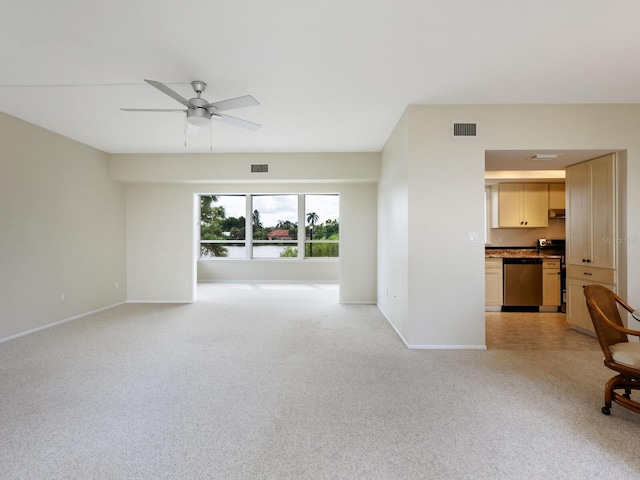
(198,117)
(199,111)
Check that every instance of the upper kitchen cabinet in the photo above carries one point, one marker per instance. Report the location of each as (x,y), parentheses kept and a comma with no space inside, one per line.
(556,196)
(591,220)
(521,205)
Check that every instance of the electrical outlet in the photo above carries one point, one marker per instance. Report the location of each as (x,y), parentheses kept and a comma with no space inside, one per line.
(117,284)
(63,296)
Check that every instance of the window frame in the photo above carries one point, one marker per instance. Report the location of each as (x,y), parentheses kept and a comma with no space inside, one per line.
(300,243)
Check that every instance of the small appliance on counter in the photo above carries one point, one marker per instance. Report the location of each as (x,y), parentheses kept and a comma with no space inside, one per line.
(550,246)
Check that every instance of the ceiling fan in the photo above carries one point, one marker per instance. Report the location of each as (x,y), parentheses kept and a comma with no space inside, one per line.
(199,111)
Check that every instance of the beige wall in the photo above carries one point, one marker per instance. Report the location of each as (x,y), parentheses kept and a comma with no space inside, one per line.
(162,237)
(445,178)
(62,224)
(393,228)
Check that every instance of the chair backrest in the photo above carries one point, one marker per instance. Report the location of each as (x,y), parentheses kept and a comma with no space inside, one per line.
(602,302)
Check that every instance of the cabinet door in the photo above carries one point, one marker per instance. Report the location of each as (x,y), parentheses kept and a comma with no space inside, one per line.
(510,205)
(577,312)
(535,205)
(493,282)
(603,213)
(551,294)
(556,196)
(578,227)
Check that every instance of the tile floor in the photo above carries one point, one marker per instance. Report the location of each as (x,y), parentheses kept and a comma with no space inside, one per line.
(534,331)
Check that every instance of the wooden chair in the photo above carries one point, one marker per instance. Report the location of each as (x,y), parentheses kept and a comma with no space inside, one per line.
(620,355)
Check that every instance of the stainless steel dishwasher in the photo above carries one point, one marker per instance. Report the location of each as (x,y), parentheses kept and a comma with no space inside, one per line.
(522,282)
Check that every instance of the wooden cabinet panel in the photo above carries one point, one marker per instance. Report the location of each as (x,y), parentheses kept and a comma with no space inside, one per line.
(591,233)
(493,282)
(557,196)
(520,205)
(593,274)
(577,313)
(551,294)
(591,213)
(535,204)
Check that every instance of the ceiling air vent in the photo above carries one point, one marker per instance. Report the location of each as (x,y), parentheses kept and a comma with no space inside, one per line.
(464,129)
(259,168)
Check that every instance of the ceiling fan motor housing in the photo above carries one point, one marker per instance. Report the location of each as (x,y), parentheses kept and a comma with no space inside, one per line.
(198,86)
(198,116)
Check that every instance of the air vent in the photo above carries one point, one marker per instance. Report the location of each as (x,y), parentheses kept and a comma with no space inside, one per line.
(464,129)
(260,168)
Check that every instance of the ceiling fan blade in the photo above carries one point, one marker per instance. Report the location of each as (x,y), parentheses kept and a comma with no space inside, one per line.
(236,121)
(230,104)
(152,110)
(167,91)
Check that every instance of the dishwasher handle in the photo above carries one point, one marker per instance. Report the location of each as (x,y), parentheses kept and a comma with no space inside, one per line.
(522,261)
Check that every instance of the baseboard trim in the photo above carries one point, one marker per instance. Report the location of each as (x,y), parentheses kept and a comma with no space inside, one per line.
(271,282)
(429,347)
(160,301)
(59,322)
(447,347)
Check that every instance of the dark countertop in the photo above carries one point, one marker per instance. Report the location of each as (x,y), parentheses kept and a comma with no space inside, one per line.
(502,252)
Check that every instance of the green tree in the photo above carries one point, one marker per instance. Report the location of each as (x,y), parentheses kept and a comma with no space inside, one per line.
(289,252)
(211,221)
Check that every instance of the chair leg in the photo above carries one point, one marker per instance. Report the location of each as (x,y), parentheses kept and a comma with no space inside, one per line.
(608,393)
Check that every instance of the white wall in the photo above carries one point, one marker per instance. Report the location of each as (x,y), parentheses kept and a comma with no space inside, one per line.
(161,234)
(445,303)
(62,223)
(393,228)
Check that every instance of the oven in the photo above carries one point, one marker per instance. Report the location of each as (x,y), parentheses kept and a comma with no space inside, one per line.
(549,246)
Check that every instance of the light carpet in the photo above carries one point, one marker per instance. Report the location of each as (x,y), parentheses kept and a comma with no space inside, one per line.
(283,382)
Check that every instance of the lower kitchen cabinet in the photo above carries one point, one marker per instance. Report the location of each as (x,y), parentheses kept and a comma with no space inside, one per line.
(551,294)
(577,313)
(493,283)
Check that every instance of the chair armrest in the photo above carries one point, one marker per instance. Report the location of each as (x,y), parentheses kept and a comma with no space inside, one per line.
(628,331)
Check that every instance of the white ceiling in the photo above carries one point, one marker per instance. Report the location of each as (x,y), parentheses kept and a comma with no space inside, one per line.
(334,75)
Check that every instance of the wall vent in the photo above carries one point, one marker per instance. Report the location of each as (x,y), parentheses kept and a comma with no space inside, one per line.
(464,130)
(259,168)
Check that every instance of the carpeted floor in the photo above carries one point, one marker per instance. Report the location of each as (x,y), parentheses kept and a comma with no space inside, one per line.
(282,382)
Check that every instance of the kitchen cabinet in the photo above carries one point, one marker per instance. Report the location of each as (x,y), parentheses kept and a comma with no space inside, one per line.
(591,233)
(591,217)
(551,294)
(577,313)
(557,196)
(520,205)
(493,283)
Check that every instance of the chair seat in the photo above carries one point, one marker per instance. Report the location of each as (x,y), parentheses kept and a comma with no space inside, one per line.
(627,353)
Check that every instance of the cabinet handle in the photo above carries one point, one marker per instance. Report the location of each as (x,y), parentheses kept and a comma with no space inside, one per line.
(587,273)
(526,223)
(588,261)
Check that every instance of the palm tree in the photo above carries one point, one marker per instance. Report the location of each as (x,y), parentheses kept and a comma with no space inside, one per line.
(312,218)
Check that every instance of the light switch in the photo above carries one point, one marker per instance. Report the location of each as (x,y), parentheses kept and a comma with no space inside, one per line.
(474,236)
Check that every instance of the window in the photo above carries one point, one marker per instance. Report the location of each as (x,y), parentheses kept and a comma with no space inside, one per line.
(266,226)
(323,226)
(275,226)
(222,226)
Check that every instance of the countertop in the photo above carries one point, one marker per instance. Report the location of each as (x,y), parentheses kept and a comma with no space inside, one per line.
(502,252)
